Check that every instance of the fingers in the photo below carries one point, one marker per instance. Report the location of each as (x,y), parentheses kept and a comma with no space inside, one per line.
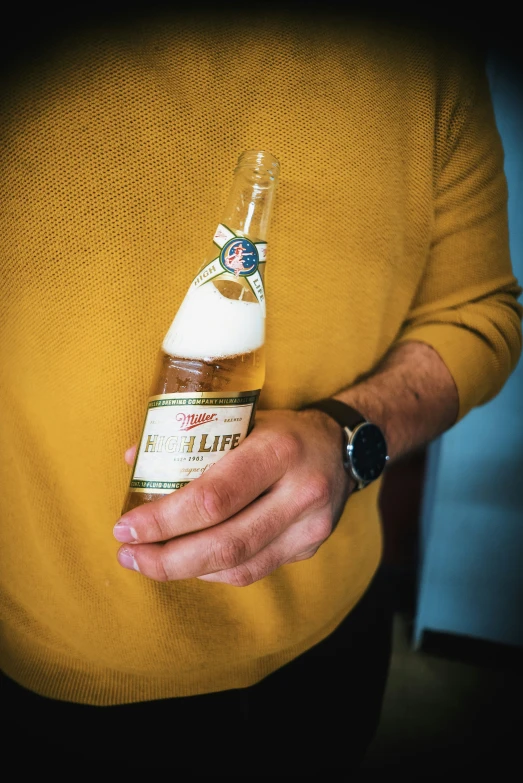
(311,536)
(246,547)
(230,485)
(299,542)
(130,454)
(213,549)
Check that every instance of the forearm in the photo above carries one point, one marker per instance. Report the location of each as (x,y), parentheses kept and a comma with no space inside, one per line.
(411,396)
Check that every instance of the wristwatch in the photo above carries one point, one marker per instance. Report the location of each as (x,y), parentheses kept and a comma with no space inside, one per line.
(364,451)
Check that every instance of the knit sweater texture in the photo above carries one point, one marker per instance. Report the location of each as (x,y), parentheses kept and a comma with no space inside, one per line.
(390,224)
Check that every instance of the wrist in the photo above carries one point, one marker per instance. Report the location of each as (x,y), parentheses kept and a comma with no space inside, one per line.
(364,451)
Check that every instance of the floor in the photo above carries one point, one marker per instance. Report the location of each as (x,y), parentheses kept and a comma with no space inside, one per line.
(453,704)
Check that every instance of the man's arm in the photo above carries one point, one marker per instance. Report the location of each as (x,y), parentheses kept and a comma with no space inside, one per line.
(411,396)
(224,529)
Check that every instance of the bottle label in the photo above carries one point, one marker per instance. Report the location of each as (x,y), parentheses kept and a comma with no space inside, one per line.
(238,256)
(185,434)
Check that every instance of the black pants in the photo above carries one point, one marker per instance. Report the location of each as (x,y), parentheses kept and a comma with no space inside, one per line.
(316,714)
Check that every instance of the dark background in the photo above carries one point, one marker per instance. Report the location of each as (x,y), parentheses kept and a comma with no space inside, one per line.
(28,31)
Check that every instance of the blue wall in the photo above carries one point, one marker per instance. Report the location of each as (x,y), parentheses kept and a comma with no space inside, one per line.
(471,558)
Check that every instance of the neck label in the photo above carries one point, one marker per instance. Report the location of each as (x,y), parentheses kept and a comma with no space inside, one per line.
(239,257)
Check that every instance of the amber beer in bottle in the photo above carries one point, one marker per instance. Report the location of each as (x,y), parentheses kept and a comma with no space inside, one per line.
(211,365)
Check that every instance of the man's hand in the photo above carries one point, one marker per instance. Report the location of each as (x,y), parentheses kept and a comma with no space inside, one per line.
(273,500)
(278,496)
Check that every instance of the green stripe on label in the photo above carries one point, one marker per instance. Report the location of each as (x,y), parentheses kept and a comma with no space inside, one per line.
(137,484)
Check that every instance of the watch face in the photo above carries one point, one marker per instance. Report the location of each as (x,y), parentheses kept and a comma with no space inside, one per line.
(368,452)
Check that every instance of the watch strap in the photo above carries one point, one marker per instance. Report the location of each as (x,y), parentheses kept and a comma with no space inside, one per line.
(339,411)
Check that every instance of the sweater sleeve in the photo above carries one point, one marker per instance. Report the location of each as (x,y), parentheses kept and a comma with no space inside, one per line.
(466,306)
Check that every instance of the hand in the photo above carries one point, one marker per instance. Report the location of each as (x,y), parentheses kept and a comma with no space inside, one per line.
(272,500)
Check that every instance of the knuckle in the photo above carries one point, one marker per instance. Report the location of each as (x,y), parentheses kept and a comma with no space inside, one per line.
(289,447)
(285,449)
(212,501)
(318,491)
(242,576)
(158,526)
(153,562)
(161,573)
(305,555)
(228,552)
(318,531)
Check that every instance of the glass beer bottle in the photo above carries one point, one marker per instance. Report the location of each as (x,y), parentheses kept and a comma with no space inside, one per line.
(211,365)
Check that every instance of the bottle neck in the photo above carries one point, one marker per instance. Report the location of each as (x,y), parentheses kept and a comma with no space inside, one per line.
(249,205)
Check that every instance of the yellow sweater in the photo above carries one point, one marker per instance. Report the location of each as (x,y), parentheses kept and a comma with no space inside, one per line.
(118,151)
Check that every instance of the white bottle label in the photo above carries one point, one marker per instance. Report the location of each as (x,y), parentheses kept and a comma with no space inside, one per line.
(185,434)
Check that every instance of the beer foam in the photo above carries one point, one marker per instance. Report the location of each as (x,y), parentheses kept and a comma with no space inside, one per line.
(209,326)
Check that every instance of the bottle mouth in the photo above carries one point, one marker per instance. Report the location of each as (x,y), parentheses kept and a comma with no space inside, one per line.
(261,162)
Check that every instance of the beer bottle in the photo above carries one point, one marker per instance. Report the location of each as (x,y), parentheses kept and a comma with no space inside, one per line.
(211,365)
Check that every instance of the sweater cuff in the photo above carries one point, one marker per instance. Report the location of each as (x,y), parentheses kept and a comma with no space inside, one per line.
(469,358)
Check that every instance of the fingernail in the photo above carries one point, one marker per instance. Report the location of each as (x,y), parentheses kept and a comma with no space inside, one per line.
(127,560)
(124,534)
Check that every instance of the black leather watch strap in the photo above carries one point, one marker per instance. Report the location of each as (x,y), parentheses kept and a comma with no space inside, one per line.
(339,411)
(364,451)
